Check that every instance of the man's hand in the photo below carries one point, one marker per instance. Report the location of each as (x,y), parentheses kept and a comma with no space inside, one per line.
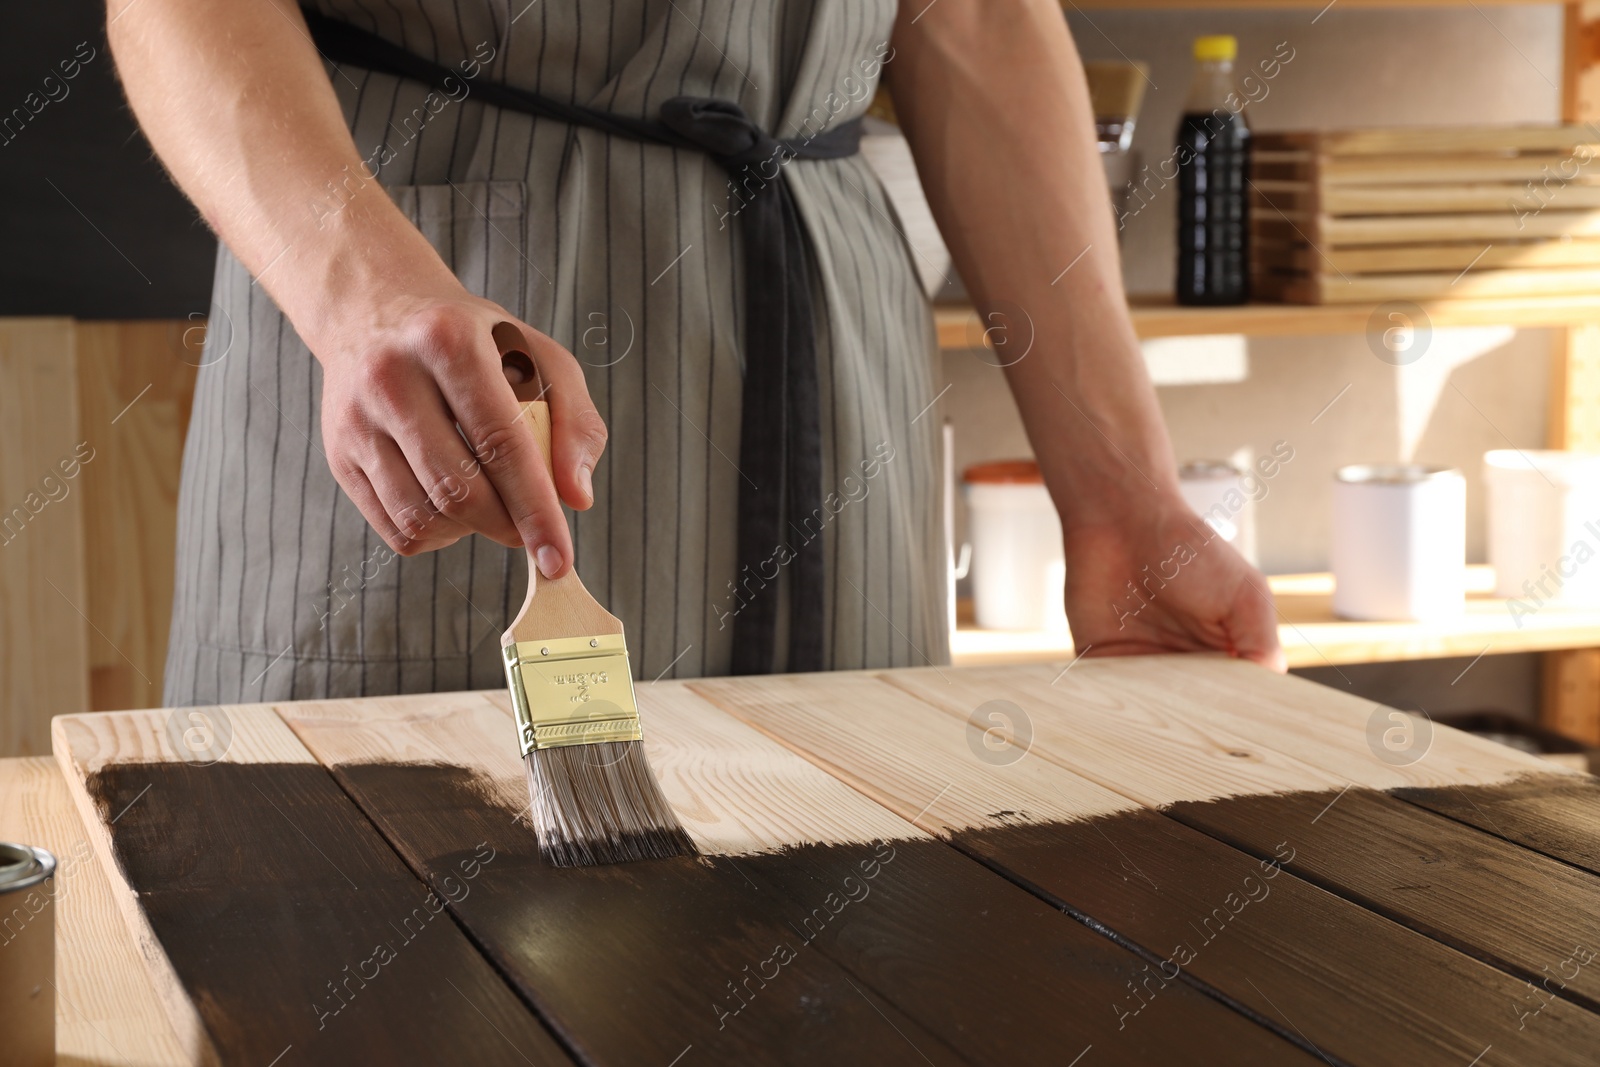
(1167,582)
(398,380)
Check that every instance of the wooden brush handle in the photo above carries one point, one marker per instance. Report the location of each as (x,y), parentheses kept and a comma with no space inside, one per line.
(559,607)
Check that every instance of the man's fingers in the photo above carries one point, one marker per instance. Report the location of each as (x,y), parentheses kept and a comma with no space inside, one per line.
(450,476)
(1254,625)
(577,432)
(420,526)
(490,418)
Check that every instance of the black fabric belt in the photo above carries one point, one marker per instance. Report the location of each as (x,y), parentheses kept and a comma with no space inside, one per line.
(780,437)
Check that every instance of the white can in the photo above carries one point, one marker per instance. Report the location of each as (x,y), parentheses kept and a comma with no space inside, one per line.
(1215,490)
(1019,566)
(1544,525)
(1399,542)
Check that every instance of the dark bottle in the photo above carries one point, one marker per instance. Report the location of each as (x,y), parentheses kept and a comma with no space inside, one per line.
(1213,157)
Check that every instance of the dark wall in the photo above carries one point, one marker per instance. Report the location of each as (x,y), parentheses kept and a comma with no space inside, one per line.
(89,224)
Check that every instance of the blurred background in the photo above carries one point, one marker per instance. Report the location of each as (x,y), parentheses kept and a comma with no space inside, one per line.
(106,294)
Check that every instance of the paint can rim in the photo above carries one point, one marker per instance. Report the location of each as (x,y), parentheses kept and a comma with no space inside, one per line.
(24,866)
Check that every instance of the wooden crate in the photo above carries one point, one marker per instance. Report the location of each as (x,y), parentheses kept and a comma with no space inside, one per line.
(1361,216)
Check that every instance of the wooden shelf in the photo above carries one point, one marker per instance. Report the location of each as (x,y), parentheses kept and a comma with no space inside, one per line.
(1270,5)
(959,327)
(1313,637)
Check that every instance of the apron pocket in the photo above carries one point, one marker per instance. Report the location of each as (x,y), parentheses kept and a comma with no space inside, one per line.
(479,229)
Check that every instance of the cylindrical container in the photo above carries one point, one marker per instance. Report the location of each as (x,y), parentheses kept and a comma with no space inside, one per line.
(1215,490)
(1399,542)
(27,956)
(1544,525)
(1018,564)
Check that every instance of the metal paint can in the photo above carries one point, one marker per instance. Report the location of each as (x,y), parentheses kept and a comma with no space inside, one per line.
(1019,569)
(1399,542)
(1544,526)
(1216,491)
(27,956)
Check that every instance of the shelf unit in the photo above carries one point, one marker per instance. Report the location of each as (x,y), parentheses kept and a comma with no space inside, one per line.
(1154,316)
(1311,635)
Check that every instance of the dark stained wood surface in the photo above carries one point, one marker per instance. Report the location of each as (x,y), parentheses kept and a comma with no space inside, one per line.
(1450,881)
(932,953)
(1559,818)
(1351,983)
(300,935)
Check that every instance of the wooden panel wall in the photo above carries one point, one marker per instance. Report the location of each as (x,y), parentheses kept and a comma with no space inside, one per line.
(92,417)
(43,631)
(140,375)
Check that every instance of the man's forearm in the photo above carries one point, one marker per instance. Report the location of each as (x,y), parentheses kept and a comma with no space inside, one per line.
(993,101)
(232,95)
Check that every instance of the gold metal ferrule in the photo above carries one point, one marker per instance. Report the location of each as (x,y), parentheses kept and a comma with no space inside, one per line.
(571,691)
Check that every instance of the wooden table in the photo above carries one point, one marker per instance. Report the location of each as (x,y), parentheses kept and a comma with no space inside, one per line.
(1179,859)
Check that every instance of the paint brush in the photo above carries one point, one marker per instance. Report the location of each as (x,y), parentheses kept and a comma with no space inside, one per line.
(593,798)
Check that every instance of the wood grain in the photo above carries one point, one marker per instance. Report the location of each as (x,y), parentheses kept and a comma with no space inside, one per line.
(1520,911)
(44,637)
(1426,140)
(106,1011)
(1560,819)
(936,942)
(1325,737)
(276,922)
(1299,958)
(136,386)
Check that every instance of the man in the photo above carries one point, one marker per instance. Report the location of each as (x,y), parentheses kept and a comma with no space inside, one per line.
(385,224)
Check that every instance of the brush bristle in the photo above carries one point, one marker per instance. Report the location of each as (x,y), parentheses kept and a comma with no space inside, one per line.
(600,803)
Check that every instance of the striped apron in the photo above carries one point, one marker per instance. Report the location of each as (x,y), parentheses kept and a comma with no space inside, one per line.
(626,253)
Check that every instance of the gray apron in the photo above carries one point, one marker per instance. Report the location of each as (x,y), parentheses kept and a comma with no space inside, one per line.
(626,254)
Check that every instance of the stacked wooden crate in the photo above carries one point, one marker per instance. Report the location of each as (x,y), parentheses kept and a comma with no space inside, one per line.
(1361,216)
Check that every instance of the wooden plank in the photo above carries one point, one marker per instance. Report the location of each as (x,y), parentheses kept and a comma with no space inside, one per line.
(1273,5)
(1453,256)
(106,1011)
(1302,959)
(1560,819)
(1332,231)
(1182,728)
(1374,288)
(1489,898)
(1434,199)
(960,959)
(1438,877)
(1429,169)
(44,639)
(1428,140)
(276,923)
(136,385)
(1155,315)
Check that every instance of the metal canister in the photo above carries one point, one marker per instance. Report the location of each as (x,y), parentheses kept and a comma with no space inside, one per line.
(27,956)
(1399,542)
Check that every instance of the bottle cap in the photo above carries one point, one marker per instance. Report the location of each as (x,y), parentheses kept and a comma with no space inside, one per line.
(1214,49)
